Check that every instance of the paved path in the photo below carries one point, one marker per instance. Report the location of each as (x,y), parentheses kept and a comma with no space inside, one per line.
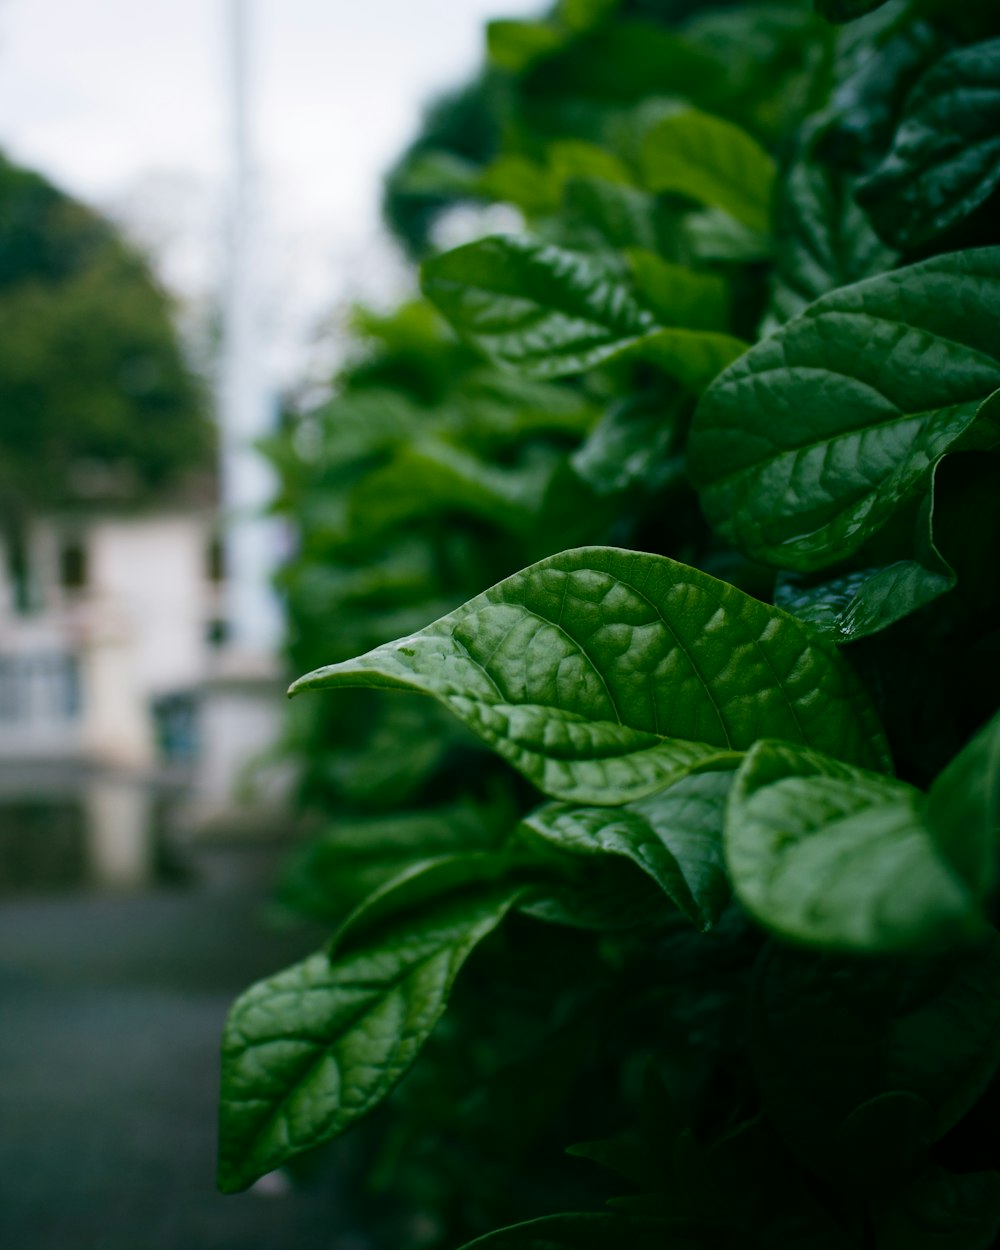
(110,1014)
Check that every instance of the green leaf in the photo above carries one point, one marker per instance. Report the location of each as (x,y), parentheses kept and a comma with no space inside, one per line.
(693,357)
(308,1052)
(826,854)
(546,311)
(963,809)
(864,601)
(625,60)
(583,14)
(713,162)
(945,158)
(603,898)
(630,447)
(833,1036)
(808,444)
(598,214)
(846,10)
(431,476)
(823,239)
(675,836)
(516,179)
(603,675)
(680,296)
(535,307)
(574,1232)
(333,872)
(713,235)
(573,158)
(423,884)
(516,46)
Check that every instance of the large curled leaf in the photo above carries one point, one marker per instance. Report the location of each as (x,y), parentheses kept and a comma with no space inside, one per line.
(604,674)
(546,311)
(713,162)
(864,601)
(945,158)
(308,1052)
(807,445)
(827,854)
(675,836)
(862,1063)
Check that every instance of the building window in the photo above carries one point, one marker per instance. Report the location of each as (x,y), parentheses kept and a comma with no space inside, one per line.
(39,689)
(73,572)
(217,633)
(215,563)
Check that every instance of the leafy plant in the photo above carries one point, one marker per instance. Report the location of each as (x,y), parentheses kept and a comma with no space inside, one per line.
(674,833)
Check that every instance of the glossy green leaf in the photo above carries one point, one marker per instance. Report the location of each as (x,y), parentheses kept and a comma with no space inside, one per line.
(807,445)
(864,601)
(546,311)
(574,1232)
(823,239)
(846,10)
(604,674)
(420,886)
(945,158)
(888,1051)
(308,1052)
(826,854)
(954,532)
(675,836)
(535,307)
(963,809)
(713,162)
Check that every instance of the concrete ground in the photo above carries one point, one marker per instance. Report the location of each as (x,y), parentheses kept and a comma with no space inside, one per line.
(110,1015)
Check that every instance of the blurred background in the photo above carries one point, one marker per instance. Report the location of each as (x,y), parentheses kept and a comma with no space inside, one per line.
(191,213)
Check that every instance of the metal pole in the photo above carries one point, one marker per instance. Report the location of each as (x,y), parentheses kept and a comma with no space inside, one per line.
(250,540)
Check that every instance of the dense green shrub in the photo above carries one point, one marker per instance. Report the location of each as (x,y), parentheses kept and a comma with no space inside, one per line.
(708,799)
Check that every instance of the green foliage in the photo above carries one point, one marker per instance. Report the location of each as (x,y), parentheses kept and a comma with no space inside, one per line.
(945,159)
(95,398)
(684,523)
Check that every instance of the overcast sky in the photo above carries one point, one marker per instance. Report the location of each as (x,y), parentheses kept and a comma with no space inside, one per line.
(125,105)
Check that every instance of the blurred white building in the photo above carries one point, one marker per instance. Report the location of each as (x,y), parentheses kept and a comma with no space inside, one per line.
(116,687)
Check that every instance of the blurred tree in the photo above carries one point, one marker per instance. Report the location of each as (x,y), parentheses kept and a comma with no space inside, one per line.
(96,402)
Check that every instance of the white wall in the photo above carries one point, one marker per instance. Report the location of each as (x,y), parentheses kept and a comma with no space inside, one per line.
(153,572)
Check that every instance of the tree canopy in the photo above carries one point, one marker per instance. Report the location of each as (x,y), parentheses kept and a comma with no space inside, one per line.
(96,401)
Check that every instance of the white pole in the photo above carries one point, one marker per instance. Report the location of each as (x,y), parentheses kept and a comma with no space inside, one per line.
(250,540)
